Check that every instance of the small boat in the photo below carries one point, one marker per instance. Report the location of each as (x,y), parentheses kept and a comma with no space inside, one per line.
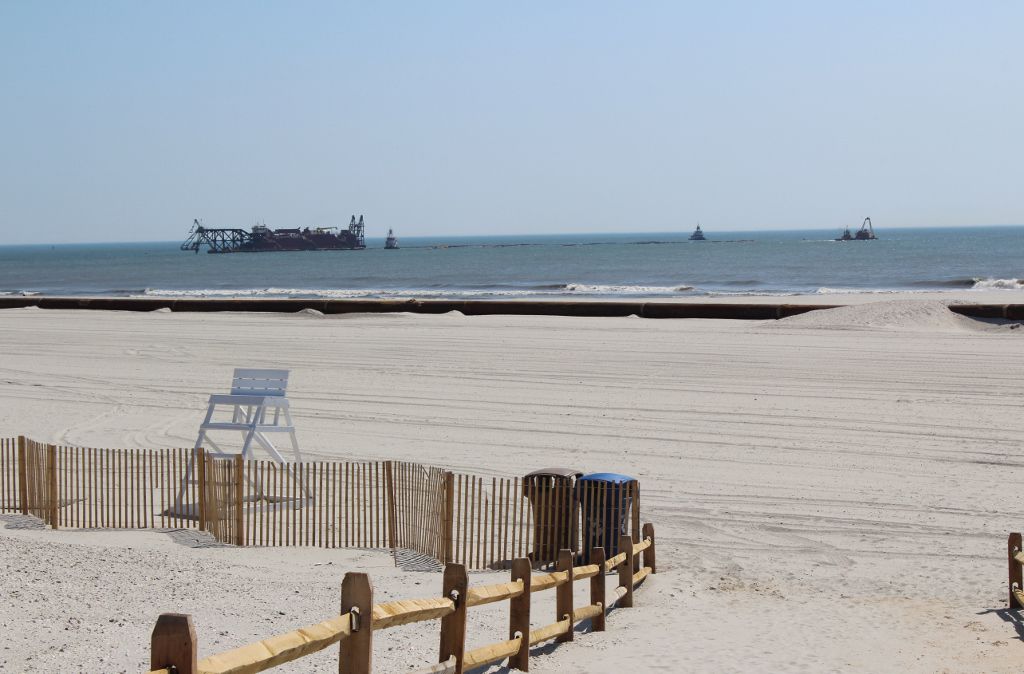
(865,233)
(698,235)
(391,243)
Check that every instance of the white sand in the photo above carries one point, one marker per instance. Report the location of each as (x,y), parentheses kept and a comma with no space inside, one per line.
(831,492)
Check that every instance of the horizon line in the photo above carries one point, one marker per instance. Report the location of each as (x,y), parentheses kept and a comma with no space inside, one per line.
(679,232)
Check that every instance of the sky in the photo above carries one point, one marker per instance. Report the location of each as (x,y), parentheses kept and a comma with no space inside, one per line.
(123,121)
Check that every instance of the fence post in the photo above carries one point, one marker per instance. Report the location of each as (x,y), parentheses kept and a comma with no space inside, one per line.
(356,652)
(449,516)
(636,521)
(239,500)
(597,589)
(389,490)
(1016,573)
(626,570)
(200,460)
(563,594)
(649,552)
(453,625)
(519,615)
(53,500)
(22,476)
(173,644)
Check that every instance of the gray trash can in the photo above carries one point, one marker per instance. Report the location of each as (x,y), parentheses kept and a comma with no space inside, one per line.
(552,495)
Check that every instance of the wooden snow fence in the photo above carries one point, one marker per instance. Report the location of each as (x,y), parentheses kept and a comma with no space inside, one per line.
(91,488)
(483,523)
(1015,558)
(493,521)
(174,646)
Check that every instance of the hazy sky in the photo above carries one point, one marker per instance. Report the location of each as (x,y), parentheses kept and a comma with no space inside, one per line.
(123,121)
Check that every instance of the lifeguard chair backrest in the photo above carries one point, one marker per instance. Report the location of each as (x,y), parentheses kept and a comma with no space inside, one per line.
(272,383)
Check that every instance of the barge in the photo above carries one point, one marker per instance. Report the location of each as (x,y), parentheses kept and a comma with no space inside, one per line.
(262,239)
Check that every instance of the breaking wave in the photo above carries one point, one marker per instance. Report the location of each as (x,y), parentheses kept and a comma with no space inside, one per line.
(864,291)
(934,286)
(998,284)
(626,289)
(947,283)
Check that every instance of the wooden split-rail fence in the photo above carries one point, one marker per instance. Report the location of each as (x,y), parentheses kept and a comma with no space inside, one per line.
(174,648)
(481,522)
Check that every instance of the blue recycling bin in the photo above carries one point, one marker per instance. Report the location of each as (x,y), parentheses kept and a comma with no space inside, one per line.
(605,501)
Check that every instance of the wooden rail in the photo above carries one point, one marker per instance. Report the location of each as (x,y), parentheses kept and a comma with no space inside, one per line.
(174,646)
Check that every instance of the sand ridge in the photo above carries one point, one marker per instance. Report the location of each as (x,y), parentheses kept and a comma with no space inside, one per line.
(908,315)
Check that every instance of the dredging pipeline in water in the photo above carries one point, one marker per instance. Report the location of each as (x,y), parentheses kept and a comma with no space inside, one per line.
(737,311)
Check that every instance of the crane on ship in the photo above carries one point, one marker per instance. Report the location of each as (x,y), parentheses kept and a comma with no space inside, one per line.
(865,233)
(218,240)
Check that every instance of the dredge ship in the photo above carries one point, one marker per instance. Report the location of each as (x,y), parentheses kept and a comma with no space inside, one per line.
(262,239)
(865,233)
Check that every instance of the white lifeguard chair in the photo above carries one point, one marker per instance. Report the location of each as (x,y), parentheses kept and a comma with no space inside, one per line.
(254,394)
(255,407)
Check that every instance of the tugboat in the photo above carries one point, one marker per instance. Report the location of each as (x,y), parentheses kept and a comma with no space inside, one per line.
(698,234)
(391,243)
(865,233)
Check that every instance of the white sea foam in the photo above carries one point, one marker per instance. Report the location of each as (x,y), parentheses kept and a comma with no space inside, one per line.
(393,293)
(626,289)
(750,293)
(865,291)
(998,284)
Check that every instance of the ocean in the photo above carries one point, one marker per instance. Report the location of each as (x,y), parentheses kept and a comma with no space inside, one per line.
(555,266)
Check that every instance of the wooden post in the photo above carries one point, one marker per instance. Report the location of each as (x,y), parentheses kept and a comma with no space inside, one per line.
(453,625)
(53,502)
(563,594)
(649,552)
(356,653)
(519,615)
(449,516)
(22,476)
(635,503)
(389,485)
(239,500)
(200,462)
(626,570)
(1013,547)
(173,644)
(597,589)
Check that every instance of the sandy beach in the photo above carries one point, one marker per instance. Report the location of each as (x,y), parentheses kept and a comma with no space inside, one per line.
(832,492)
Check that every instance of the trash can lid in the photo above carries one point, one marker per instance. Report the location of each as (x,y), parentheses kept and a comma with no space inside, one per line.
(555,472)
(614,478)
